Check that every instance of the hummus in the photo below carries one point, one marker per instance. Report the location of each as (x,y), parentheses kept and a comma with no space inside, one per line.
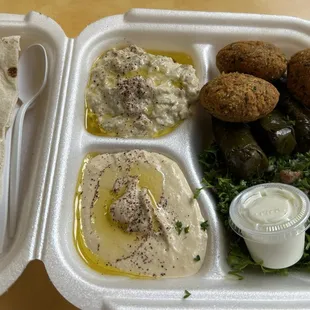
(136,94)
(138,216)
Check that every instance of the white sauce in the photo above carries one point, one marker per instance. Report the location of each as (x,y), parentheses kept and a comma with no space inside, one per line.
(271,218)
(278,255)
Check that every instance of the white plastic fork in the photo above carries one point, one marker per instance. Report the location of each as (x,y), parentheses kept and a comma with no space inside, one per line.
(32,77)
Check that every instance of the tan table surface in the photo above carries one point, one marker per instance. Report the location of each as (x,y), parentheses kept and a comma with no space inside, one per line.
(33,290)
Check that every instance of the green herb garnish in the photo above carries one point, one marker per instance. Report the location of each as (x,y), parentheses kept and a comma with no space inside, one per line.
(186,229)
(178,227)
(197,258)
(197,192)
(186,294)
(236,274)
(204,225)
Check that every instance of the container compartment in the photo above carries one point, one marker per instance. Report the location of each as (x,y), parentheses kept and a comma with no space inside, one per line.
(38,130)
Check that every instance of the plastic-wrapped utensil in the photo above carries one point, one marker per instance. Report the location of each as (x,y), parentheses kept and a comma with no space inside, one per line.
(32,77)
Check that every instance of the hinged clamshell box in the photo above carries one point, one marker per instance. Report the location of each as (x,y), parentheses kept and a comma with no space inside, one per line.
(56,142)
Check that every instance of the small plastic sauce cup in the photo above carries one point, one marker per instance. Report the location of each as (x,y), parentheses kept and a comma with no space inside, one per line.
(272,218)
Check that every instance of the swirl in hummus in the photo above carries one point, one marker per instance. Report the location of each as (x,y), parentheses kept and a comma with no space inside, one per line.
(138,216)
(133,93)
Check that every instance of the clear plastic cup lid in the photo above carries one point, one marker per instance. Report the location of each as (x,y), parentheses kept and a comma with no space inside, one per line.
(270,211)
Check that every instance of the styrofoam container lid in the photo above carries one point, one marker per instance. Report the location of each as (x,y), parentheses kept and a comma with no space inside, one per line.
(271,211)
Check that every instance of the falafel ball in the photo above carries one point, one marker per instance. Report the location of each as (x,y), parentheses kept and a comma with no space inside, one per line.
(258,58)
(298,76)
(238,97)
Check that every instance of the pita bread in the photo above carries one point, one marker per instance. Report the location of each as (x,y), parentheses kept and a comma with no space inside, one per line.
(9,54)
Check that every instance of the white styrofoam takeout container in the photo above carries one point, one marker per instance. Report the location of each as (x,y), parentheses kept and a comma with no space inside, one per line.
(57,142)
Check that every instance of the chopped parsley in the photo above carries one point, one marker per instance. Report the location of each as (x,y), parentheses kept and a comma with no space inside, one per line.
(186,294)
(178,227)
(225,187)
(204,225)
(197,258)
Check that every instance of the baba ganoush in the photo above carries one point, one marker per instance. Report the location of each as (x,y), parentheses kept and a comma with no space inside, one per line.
(136,216)
(132,93)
